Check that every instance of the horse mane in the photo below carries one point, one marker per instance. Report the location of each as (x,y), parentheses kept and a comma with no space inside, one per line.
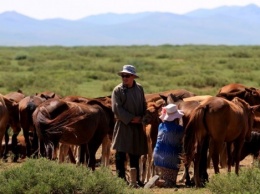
(240,101)
(231,95)
(20,91)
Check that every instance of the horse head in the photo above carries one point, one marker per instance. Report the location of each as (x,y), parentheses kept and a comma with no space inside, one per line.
(172,98)
(152,112)
(252,96)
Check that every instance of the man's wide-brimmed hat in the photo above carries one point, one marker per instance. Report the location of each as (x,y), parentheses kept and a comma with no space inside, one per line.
(170,113)
(130,69)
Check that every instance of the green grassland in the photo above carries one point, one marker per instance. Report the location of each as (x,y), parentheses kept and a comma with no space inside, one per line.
(92,71)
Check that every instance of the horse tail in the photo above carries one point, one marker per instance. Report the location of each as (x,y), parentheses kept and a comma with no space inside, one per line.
(44,125)
(30,108)
(2,103)
(194,132)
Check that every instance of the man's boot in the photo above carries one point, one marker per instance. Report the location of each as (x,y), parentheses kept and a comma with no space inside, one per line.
(133,178)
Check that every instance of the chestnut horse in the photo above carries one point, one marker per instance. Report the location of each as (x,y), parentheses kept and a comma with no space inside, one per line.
(187,105)
(14,124)
(73,123)
(250,94)
(7,109)
(222,121)
(151,122)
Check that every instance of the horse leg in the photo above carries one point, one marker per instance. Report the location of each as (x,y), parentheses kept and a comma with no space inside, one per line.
(106,144)
(210,152)
(230,160)
(71,154)
(49,151)
(196,170)
(238,144)
(27,142)
(215,156)
(5,152)
(15,147)
(143,167)
(63,150)
(200,163)
(150,169)
(93,146)
(82,153)
(203,161)
(223,156)
(37,145)
(187,178)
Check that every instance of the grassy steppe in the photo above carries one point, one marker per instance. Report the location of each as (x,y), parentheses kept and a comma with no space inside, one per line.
(92,71)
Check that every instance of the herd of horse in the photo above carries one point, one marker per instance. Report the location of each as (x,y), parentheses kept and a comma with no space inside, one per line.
(219,124)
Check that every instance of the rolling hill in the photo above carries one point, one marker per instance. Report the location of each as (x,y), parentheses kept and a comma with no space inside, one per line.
(228,25)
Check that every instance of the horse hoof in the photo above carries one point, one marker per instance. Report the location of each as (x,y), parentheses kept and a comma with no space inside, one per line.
(4,159)
(189,184)
(15,159)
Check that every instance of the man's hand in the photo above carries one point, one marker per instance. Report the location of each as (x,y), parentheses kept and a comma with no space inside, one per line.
(136,120)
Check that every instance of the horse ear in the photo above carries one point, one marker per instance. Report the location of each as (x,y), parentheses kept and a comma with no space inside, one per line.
(182,96)
(163,97)
(43,96)
(19,91)
(52,95)
(255,108)
(249,90)
(252,88)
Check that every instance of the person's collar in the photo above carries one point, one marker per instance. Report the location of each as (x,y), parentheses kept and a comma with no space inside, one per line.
(134,83)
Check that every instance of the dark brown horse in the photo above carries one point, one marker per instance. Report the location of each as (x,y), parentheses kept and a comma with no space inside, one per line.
(93,145)
(222,121)
(73,123)
(26,107)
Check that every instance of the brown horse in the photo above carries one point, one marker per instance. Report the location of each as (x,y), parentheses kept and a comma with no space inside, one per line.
(14,124)
(222,121)
(187,105)
(249,94)
(73,123)
(7,109)
(94,145)
(26,107)
(178,92)
(151,122)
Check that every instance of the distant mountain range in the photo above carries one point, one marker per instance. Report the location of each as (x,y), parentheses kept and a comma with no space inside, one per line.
(228,25)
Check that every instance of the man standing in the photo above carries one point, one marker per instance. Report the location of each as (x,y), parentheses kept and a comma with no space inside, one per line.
(129,106)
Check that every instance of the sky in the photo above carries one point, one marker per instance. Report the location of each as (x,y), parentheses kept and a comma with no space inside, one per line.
(77,9)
